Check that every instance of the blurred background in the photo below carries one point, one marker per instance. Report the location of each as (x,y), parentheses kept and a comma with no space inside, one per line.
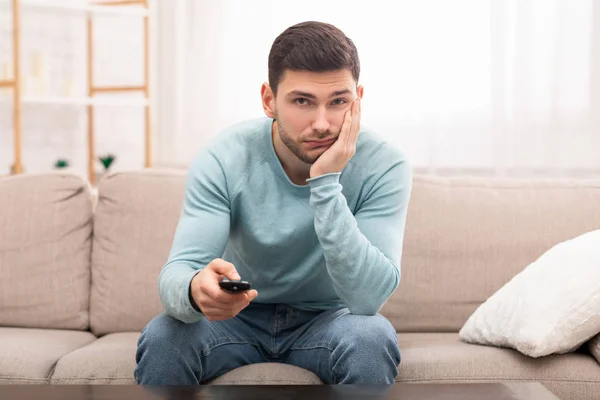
(464,87)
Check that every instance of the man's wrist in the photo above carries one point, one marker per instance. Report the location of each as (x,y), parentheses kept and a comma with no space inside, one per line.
(191,298)
(314,174)
(332,177)
(193,303)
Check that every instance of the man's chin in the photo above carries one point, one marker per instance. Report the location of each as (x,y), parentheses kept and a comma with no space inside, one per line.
(312,157)
(308,159)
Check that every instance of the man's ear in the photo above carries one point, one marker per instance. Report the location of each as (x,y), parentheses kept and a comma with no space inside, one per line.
(268,100)
(360,91)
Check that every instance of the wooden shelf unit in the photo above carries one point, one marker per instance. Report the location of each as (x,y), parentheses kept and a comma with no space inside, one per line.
(108,7)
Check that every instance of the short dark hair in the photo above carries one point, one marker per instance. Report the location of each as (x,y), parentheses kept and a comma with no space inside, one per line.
(311,46)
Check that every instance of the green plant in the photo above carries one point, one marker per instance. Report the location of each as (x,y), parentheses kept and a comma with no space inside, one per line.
(107,160)
(61,163)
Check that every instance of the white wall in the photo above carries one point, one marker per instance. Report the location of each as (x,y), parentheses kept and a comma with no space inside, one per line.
(501,87)
(471,86)
(53,57)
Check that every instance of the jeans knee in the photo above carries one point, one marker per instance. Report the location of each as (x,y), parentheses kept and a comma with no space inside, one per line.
(367,351)
(162,334)
(165,353)
(374,335)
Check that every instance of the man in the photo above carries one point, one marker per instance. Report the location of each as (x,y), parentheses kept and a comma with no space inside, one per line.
(304,207)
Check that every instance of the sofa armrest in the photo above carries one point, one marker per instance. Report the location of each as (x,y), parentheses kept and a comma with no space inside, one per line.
(594,347)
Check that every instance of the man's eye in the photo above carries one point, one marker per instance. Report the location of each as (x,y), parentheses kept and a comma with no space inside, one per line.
(339,102)
(300,101)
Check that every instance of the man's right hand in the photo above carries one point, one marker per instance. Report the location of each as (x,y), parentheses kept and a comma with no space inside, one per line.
(215,303)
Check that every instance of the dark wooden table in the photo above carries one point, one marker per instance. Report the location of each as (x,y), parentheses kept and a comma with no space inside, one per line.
(487,391)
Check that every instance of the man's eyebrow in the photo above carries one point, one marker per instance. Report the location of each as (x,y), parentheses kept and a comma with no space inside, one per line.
(312,96)
(301,94)
(340,92)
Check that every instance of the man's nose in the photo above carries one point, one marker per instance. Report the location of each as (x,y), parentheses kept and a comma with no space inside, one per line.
(321,123)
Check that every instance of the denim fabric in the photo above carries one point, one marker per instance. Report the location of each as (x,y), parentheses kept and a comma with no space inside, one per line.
(337,346)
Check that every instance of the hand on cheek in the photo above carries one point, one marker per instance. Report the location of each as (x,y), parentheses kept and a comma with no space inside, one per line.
(339,154)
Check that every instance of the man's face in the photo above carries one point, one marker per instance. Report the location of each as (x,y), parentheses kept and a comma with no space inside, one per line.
(310,108)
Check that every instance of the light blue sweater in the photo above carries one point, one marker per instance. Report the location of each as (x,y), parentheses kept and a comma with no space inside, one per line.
(336,241)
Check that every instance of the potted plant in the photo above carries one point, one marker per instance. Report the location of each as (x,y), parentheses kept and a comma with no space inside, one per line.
(106,160)
(61,163)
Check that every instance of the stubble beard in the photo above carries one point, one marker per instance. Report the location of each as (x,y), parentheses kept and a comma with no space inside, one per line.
(296,146)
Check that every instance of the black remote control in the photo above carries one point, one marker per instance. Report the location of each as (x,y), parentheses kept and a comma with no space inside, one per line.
(235,286)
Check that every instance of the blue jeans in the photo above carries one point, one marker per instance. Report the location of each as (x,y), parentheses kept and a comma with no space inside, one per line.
(337,346)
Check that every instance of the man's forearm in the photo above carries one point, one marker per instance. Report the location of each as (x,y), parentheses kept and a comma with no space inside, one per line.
(363,276)
(205,204)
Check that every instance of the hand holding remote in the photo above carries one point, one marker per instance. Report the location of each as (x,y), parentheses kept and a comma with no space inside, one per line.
(214,302)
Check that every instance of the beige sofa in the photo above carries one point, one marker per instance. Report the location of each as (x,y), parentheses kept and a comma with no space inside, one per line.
(78,283)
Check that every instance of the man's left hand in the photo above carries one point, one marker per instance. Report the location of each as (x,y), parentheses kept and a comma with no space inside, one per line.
(335,158)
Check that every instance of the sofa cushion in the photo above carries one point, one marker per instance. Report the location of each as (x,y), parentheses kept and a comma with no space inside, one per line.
(135,220)
(443,358)
(268,374)
(45,247)
(108,360)
(467,237)
(29,355)
(426,357)
(594,347)
(111,360)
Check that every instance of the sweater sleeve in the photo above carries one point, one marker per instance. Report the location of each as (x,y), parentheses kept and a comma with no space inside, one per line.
(363,251)
(200,237)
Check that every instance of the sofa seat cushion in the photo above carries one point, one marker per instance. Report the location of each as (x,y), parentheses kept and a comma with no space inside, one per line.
(29,355)
(443,358)
(111,360)
(108,360)
(268,374)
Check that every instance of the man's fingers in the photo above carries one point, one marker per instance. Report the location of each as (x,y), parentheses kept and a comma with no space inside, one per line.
(345,131)
(235,299)
(355,120)
(224,268)
(217,314)
(214,310)
(226,305)
(209,303)
(352,135)
(251,295)
(216,293)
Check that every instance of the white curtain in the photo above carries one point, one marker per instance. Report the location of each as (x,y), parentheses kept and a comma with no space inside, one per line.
(463,87)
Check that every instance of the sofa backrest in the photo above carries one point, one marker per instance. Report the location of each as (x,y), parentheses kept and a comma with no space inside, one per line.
(135,218)
(45,248)
(467,237)
(464,239)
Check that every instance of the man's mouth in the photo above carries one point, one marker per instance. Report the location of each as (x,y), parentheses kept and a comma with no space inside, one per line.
(320,142)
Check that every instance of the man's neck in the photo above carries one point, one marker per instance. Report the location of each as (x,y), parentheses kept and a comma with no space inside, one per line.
(295,169)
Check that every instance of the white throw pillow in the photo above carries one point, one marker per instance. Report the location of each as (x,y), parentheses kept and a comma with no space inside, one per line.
(551,307)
